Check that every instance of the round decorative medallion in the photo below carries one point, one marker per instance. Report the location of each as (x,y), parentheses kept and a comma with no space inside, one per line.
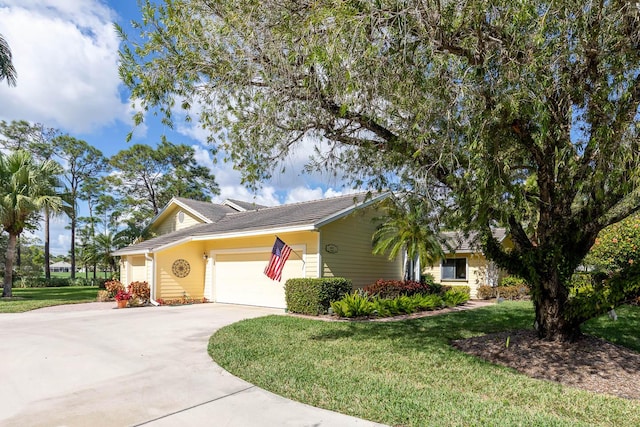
(181,268)
(331,248)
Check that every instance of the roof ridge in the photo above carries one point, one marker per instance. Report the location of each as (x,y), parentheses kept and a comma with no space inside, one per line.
(303,202)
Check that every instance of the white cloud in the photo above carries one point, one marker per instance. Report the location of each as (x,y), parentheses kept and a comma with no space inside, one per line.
(65,54)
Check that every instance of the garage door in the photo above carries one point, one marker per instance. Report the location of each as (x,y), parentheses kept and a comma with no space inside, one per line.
(239,279)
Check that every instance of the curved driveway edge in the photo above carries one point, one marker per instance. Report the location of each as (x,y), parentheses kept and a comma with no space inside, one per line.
(139,366)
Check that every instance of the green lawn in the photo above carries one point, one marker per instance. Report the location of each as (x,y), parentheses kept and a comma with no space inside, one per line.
(406,374)
(25,299)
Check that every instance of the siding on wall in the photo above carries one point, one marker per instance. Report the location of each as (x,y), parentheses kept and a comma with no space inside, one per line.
(124,268)
(170,286)
(138,269)
(171,222)
(352,237)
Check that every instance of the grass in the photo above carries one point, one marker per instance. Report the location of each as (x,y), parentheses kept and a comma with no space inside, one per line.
(406,373)
(25,299)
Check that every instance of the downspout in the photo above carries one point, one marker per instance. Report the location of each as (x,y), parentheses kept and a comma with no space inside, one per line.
(152,285)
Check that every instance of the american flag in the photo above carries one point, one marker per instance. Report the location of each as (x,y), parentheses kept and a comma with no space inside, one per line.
(279,255)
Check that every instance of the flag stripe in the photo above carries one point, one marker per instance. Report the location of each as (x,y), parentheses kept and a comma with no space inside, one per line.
(279,255)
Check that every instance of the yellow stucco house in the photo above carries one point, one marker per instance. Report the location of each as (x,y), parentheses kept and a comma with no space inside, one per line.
(465,264)
(219,251)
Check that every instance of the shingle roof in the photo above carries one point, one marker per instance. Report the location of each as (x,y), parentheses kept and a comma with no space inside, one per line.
(458,243)
(310,214)
(247,206)
(209,210)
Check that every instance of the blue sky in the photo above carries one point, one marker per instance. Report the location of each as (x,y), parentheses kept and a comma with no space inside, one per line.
(65,53)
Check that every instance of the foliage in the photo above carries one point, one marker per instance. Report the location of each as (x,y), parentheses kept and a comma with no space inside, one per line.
(428,279)
(485,292)
(147,178)
(408,226)
(26,188)
(42,282)
(113,287)
(123,295)
(7,70)
(407,374)
(617,246)
(359,303)
(393,288)
(83,163)
(505,292)
(454,297)
(184,300)
(314,295)
(140,291)
(594,294)
(103,296)
(512,281)
(522,114)
(354,304)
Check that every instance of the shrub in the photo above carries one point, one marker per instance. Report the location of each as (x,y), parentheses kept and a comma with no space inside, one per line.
(617,247)
(486,292)
(513,281)
(355,304)
(454,297)
(140,291)
(103,296)
(112,287)
(395,288)
(428,279)
(462,289)
(314,295)
(512,292)
(428,302)
(41,282)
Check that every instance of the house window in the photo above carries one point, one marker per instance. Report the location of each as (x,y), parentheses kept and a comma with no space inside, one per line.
(454,269)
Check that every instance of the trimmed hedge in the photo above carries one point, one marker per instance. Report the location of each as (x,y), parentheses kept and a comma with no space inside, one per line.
(314,295)
(56,282)
(505,292)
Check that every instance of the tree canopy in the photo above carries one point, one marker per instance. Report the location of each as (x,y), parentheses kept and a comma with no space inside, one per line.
(147,178)
(522,114)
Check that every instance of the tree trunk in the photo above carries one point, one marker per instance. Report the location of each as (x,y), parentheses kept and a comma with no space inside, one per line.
(73,245)
(550,305)
(47,237)
(8,266)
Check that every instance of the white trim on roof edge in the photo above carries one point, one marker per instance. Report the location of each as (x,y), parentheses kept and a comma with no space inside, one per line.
(183,206)
(204,237)
(232,205)
(341,214)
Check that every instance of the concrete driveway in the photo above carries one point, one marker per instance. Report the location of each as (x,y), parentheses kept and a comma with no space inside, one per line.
(141,366)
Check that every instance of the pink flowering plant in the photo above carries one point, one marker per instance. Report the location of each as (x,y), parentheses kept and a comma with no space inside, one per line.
(122,295)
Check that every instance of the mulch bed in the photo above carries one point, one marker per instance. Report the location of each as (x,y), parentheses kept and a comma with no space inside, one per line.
(591,363)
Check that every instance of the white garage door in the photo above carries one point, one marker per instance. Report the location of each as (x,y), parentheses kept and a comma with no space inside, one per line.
(239,279)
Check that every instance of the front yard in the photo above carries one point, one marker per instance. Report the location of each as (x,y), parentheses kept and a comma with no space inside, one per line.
(406,373)
(25,299)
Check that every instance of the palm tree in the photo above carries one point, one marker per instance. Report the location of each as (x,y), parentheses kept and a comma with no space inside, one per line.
(24,191)
(407,226)
(6,66)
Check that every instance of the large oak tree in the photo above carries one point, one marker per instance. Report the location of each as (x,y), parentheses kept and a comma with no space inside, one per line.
(522,114)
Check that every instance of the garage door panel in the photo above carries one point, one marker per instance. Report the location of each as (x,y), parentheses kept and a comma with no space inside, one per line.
(239,279)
